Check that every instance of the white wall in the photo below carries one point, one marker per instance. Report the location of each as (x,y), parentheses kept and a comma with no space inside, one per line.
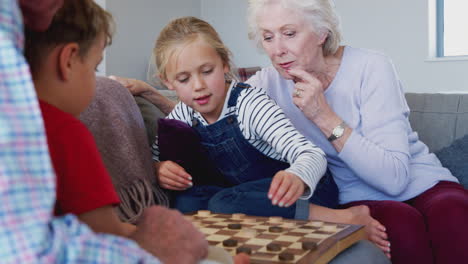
(138,23)
(229,19)
(400,29)
(101,70)
(397,27)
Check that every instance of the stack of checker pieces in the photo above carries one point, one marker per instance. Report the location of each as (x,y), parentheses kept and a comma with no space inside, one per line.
(274,239)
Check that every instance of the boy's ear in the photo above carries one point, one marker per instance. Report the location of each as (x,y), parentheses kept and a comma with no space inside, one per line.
(166,82)
(68,56)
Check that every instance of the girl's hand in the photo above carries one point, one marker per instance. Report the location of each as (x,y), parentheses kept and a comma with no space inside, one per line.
(308,93)
(135,86)
(172,176)
(285,189)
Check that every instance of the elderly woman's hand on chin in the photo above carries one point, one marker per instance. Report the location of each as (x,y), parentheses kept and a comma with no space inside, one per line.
(308,94)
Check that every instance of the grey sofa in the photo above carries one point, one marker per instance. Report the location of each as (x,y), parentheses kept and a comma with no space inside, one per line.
(441,121)
(438,118)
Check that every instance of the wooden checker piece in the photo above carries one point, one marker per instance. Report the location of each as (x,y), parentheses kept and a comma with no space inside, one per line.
(273,247)
(309,245)
(235,226)
(275,229)
(230,243)
(245,250)
(274,239)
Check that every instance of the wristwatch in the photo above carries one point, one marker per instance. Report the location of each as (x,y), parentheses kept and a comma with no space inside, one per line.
(337,132)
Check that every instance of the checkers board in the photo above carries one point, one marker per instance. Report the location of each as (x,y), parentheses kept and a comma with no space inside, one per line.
(274,239)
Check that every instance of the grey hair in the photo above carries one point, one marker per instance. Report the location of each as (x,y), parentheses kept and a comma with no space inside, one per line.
(320,14)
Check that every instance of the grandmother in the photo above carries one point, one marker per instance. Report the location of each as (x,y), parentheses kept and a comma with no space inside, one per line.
(350,102)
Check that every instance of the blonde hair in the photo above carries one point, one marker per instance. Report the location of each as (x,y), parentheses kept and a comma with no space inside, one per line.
(320,14)
(182,31)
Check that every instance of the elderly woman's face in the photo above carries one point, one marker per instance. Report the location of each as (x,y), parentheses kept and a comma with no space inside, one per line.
(288,40)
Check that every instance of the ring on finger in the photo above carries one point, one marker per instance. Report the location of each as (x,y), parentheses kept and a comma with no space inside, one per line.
(297,93)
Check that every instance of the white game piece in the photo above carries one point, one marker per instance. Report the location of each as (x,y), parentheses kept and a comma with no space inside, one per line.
(316,223)
(289,224)
(248,232)
(203,213)
(329,228)
(275,219)
(238,216)
(250,220)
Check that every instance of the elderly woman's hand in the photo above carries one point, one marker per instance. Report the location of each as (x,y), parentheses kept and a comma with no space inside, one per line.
(135,86)
(308,93)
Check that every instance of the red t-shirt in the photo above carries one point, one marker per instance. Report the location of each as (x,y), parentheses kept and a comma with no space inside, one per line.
(83,183)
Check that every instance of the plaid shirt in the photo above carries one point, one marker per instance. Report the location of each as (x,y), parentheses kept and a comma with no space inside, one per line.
(28,231)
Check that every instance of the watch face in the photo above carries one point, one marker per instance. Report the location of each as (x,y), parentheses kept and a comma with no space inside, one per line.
(338,131)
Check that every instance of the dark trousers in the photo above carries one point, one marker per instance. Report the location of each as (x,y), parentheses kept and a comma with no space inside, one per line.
(430,228)
(251,198)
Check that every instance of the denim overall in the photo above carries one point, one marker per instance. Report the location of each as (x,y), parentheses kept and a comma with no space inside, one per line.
(247,173)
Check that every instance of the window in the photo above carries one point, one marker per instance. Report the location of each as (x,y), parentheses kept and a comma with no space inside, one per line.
(451,28)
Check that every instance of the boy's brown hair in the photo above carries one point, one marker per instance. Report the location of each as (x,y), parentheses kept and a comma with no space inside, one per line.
(79,21)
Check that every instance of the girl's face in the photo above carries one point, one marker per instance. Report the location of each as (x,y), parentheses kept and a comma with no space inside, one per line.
(288,40)
(196,72)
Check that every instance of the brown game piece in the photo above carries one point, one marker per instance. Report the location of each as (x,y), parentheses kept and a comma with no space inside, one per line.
(234,226)
(245,250)
(273,247)
(309,245)
(275,229)
(230,243)
(286,256)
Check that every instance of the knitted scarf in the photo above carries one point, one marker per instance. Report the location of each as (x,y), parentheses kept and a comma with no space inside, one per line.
(118,129)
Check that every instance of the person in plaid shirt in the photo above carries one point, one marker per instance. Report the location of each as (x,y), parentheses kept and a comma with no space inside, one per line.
(28,231)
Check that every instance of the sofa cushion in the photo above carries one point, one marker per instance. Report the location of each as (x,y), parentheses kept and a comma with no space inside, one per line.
(462,124)
(151,114)
(438,118)
(455,158)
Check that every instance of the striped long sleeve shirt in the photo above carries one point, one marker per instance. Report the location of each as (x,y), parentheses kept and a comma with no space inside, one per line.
(266,127)
(28,231)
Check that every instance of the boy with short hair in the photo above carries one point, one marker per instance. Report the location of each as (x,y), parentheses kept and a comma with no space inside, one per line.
(63,60)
